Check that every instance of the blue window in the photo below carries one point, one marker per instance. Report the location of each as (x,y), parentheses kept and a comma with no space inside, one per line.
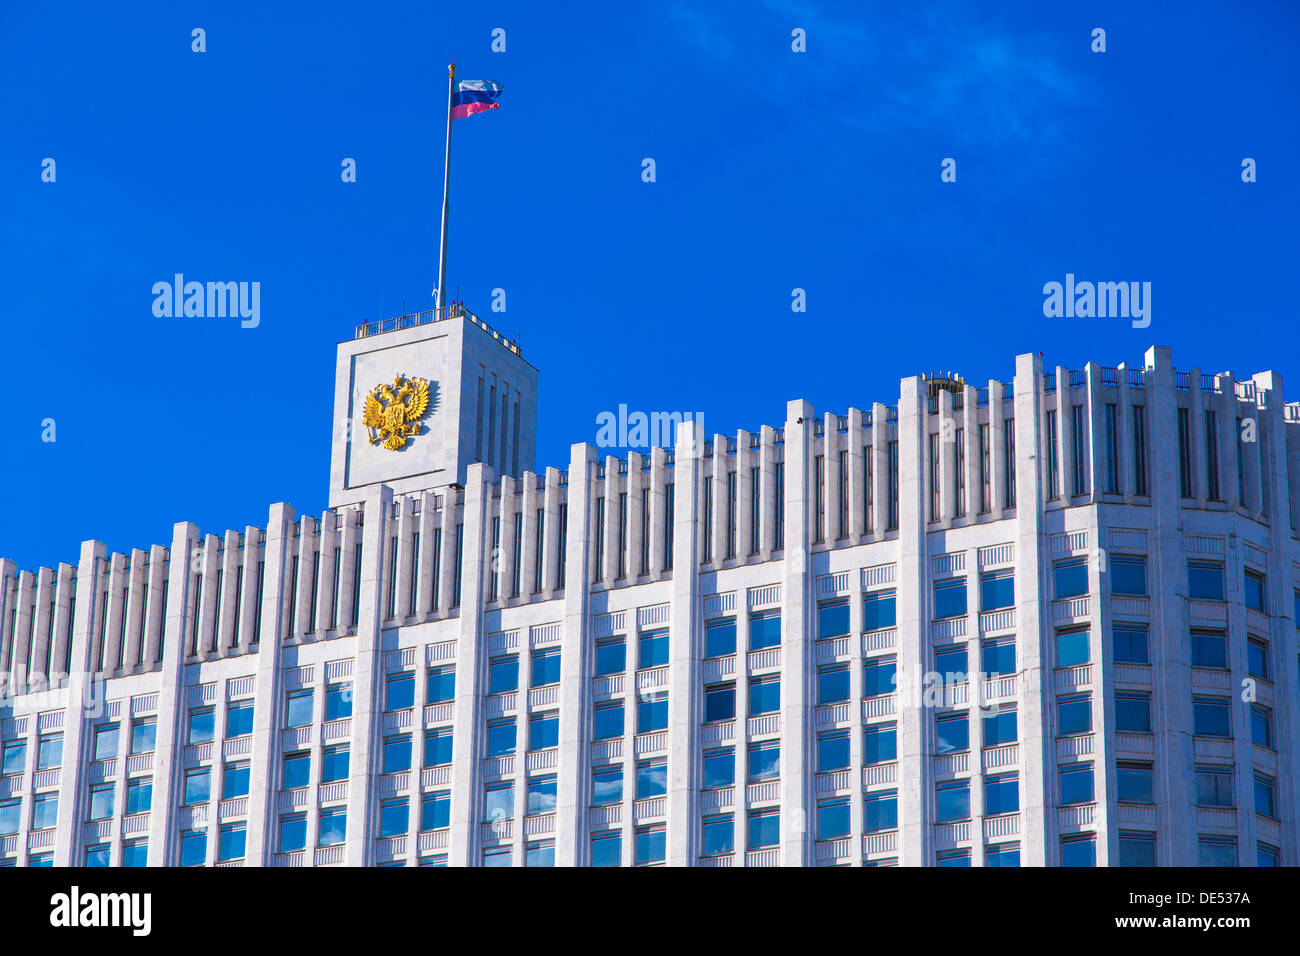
(546,668)
(997,590)
(234,780)
(496,856)
(949,598)
(544,731)
(651,778)
(10,816)
(41,859)
(297,770)
(952,801)
(832,683)
(1205,580)
(1002,854)
(1209,649)
(764,761)
(608,721)
(437,748)
(719,768)
(1073,715)
(719,702)
(540,853)
(1257,659)
(49,752)
(338,700)
(952,733)
(202,726)
(765,630)
(198,787)
(139,795)
(1210,717)
(878,611)
(1266,855)
(333,827)
(440,685)
(400,691)
(501,737)
(1070,577)
(498,802)
(435,810)
(833,818)
(231,840)
(880,811)
(1265,795)
(194,847)
(105,742)
(1000,727)
(1072,648)
(239,720)
(143,734)
(334,763)
(998,657)
(1261,725)
(1254,590)
(135,854)
(1133,783)
(652,713)
(299,708)
(503,674)
(879,743)
(1076,783)
(15,757)
(1079,851)
(1130,642)
(541,794)
(720,638)
(653,649)
(1216,851)
(951,858)
(879,676)
(607,785)
(832,619)
(394,816)
(1137,848)
(397,752)
(719,834)
(1128,575)
(611,657)
(607,848)
(650,845)
(764,828)
(101,802)
(293,832)
(45,810)
(950,663)
(832,750)
(764,696)
(97,855)
(1132,712)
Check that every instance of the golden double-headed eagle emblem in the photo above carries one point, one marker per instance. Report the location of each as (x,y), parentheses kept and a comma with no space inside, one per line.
(392,412)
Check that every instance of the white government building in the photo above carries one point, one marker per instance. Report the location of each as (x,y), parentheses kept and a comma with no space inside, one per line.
(1045,622)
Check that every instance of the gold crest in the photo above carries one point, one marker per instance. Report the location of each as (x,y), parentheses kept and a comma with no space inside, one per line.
(392,412)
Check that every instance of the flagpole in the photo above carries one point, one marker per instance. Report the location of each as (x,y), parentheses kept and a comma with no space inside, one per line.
(446,188)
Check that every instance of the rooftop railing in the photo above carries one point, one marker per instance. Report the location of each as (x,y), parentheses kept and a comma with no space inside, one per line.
(414,319)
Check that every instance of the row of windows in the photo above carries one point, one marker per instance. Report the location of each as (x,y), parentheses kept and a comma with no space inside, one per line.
(1211,716)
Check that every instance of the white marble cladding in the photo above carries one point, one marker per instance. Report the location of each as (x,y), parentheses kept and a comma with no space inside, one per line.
(471,572)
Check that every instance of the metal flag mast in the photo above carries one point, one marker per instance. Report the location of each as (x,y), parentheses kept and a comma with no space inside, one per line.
(446,186)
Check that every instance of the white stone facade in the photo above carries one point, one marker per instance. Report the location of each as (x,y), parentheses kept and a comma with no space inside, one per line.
(457,577)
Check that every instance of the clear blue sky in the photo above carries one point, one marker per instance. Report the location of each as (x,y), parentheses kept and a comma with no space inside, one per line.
(775,170)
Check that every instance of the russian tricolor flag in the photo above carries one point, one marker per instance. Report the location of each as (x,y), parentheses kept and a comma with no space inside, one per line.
(474,96)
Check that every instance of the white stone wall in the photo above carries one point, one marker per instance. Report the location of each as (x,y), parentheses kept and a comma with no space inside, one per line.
(431,601)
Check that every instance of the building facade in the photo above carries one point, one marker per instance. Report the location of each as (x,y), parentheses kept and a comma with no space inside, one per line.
(1045,622)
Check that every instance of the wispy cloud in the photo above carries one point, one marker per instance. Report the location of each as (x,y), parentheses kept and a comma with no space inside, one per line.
(933,68)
